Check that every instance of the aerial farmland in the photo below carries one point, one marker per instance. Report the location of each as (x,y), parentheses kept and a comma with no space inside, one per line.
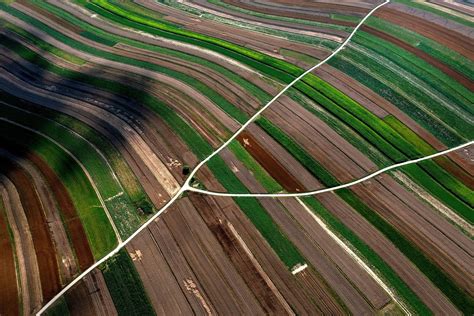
(236,157)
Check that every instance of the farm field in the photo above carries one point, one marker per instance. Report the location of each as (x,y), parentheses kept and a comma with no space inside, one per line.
(236,157)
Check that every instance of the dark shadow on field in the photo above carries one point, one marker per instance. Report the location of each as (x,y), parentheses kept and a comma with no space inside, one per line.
(30,89)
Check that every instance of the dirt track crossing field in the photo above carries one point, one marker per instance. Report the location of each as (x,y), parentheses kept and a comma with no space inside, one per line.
(158,91)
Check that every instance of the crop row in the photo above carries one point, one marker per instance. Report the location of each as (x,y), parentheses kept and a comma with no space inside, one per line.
(387,140)
(434,273)
(96,224)
(453,59)
(251,207)
(125,286)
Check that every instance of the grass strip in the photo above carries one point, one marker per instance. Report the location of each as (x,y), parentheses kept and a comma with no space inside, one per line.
(125,286)
(59,308)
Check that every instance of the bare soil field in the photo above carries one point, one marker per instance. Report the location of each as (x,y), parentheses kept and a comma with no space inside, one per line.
(27,265)
(269,163)
(451,39)
(287,10)
(91,297)
(416,280)
(9,298)
(425,56)
(44,248)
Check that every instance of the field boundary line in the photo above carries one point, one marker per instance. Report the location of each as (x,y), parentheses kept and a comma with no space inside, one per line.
(250,120)
(338,187)
(355,257)
(186,186)
(84,169)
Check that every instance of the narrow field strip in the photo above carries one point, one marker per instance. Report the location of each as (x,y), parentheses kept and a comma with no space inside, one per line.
(250,120)
(355,257)
(186,186)
(94,186)
(345,185)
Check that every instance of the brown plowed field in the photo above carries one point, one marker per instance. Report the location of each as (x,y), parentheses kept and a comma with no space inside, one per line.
(256,279)
(90,297)
(71,219)
(426,57)
(291,14)
(308,243)
(9,302)
(271,22)
(451,39)
(28,275)
(286,159)
(416,280)
(269,163)
(432,234)
(44,247)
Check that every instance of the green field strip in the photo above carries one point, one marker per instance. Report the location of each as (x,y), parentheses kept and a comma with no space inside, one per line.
(386,139)
(123,212)
(299,56)
(442,120)
(211,94)
(434,77)
(42,44)
(59,308)
(343,129)
(424,119)
(99,232)
(401,289)
(261,95)
(270,184)
(143,11)
(125,286)
(345,17)
(453,59)
(424,7)
(269,16)
(461,299)
(283,247)
(96,38)
(271,66)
